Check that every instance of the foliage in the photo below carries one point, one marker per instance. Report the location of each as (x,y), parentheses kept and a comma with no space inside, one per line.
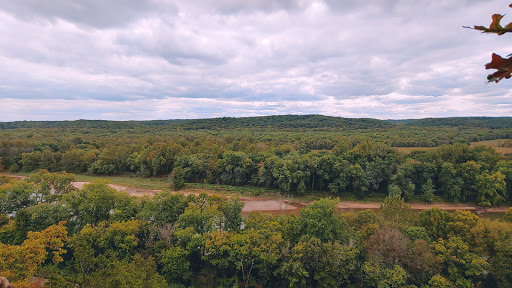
(175,264)
(503,65)
(202,241)
(395,211)
(139,272)
(312,263)
(20,262)
(98,202)
(177,178)
(508,215)
(318,220)
(164,208)
(174,240)
(291,159)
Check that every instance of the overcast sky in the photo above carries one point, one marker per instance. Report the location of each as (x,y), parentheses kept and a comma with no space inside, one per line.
(159,59)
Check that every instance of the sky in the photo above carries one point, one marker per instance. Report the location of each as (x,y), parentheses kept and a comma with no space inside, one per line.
(164,59)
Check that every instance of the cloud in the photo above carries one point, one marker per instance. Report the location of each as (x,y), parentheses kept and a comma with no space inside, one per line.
(391,106)
(94,13)
(344,58)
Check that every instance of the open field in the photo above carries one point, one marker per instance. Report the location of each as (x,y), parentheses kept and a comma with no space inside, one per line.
(496,144)
(407,150)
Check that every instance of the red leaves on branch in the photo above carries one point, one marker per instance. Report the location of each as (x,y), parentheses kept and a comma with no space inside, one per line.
(504,66)
(495,26)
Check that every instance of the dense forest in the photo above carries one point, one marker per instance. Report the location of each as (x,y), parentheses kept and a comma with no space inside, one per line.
(55,235)
(295,154)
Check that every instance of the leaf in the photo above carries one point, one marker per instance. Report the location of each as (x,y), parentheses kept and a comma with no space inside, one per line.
(504,66)
(495,26)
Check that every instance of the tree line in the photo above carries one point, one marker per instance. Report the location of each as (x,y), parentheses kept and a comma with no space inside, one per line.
(453,172)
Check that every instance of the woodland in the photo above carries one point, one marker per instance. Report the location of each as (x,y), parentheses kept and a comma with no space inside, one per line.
(55,235)
(296,155)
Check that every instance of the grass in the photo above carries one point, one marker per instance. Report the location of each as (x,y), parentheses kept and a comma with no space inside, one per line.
(496,144)
(128,180)
(408,150)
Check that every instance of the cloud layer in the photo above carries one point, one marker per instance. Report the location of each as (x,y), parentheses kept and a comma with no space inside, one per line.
(159,59)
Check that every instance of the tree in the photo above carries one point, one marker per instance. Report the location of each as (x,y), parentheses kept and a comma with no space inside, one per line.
(175,264)
(16,195)
(48,160)
(177,178)
(312,263)
(491,188)
(421,264)
(139,272)
(503,65)
(388,246)
(245,252)
(450,183)
(202,218)
(20,262)
(30,161)
(493,240)
(95,246)
(40,216)
(395,211)
(72,161)
(318,220)
(428,191)
(442,224)
(164,208)
(381,277)
(98,202)
(53,185)
(438,281)
(460,264)
(508,215)
(232,217)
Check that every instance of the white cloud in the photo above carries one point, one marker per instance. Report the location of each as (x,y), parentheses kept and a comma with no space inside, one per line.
(384,59)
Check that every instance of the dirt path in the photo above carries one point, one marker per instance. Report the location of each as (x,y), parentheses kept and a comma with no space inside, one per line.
(277,205)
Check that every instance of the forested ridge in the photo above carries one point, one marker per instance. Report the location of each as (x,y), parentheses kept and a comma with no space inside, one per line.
(98,237)
(345,156)
(278,121)
(268,122)
(476,122)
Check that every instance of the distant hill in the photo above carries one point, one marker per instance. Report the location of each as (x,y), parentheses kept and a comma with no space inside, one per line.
(279,122)
(104,124)
(272,122)
(473,122)
(286,121)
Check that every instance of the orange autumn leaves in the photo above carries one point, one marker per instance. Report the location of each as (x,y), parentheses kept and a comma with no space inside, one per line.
(503,65)
(495,26)
(19,263)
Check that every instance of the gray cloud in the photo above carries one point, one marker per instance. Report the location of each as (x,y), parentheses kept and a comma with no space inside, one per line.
(344,58)
(95,13)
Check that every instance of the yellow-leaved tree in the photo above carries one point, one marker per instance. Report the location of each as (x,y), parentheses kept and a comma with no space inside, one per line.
(19,263)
